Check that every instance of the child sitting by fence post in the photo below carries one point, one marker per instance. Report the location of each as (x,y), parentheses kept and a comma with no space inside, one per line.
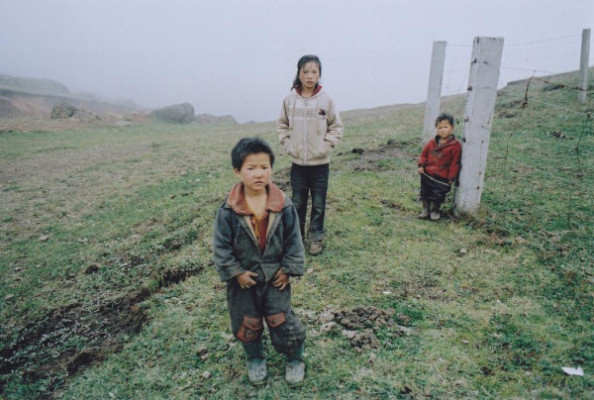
(439,165)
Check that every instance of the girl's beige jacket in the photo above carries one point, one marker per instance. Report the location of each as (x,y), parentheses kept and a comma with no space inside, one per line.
(308,128)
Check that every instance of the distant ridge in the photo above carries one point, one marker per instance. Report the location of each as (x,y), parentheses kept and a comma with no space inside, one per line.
(33,86)
(22,97)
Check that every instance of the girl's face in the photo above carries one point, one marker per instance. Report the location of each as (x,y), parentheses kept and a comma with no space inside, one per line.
(309,75)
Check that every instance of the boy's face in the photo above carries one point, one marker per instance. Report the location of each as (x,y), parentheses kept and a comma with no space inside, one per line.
(255,172)
(444,129)
(309,75)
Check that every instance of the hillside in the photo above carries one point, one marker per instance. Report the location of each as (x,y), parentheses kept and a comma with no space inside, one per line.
(25,97)
(108,289)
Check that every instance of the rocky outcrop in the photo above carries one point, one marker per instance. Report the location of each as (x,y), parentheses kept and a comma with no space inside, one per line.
(213,119)
(8,110)
(175,114)
(36,86)
(63,110)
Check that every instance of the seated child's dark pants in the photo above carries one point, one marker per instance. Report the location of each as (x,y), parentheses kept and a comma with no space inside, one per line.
(434,189)
(250,307)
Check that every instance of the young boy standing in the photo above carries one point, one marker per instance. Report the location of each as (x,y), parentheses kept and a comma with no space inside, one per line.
(439,164)
(257,248)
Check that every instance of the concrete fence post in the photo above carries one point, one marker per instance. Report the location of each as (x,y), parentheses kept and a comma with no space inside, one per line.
(584,66)
(478,118)
(434,90)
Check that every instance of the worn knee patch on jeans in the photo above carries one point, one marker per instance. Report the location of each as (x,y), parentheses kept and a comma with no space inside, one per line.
(250,329)
(288,336)
(275,320)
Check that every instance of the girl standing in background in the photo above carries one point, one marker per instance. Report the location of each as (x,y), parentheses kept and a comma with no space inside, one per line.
(309,127)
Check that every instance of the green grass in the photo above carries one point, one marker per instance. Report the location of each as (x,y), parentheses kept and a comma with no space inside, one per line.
(485,307)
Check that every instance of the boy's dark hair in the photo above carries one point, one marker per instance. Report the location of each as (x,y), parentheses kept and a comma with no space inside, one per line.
(301,63)
(444,117)
(247,146)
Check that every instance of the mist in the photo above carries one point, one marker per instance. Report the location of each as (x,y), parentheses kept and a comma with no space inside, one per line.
(238,57)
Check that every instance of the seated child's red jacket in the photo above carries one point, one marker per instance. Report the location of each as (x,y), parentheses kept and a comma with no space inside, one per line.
(441,160)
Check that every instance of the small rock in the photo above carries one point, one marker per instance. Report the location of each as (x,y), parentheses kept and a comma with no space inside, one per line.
(403,331)
(91,269)
(206,374)
(43,238)
(463,251)
(202,350)
(326,316)
(349,334)
(8,297)
(327,327)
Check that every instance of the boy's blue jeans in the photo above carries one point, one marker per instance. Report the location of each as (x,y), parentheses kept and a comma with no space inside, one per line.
(249,308)
(314,180)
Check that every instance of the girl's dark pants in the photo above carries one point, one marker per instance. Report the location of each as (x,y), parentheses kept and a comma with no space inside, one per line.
(249,308)
(314,180)
(433,191)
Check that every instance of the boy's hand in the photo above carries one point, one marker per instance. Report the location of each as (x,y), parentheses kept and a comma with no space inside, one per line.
(421,170)
(245,279)
(281,280)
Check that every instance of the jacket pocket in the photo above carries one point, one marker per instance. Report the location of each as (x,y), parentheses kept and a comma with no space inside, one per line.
(292,148)
(320,151)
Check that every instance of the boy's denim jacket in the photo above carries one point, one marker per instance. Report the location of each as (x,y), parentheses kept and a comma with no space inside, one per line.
(236,249)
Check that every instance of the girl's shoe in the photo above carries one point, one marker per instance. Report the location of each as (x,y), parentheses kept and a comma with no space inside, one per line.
(257,372)
(316,247)
(295,373)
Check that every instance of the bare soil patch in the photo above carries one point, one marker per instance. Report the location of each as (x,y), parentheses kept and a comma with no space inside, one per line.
(370,159)
(41,349)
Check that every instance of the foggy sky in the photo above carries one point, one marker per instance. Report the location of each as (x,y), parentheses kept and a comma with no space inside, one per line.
(239,57)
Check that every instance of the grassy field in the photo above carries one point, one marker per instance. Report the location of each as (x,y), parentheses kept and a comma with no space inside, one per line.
(108,289)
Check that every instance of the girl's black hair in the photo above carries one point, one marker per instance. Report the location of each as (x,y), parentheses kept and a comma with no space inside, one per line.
(301,63)
(444,117)
(247,146)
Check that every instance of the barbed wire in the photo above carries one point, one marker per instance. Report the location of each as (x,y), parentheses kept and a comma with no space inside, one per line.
(531,43)
(535,42)
(560,49)
(527,69)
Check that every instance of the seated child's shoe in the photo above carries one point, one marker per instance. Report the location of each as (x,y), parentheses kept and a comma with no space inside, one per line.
(435,213)
(425,213)
(257,372)
(316,247)
(295,373)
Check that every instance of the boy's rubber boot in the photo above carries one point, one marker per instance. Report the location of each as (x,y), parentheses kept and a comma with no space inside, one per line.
(425,213)
(435,213)
(256,363)
(295,368)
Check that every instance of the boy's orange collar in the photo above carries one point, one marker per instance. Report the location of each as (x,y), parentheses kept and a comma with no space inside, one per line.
(274,202)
